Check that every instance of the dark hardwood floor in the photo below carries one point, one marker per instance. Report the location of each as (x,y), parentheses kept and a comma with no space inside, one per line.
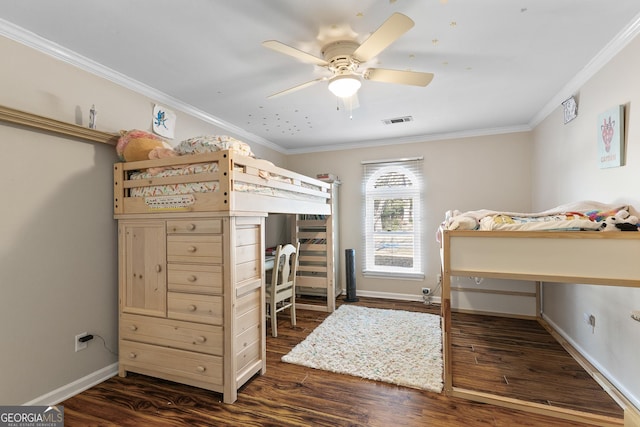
(291,395)
(520,359)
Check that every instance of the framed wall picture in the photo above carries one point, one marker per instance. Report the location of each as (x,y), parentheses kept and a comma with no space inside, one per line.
(164,121)
(570,109)
(611,137)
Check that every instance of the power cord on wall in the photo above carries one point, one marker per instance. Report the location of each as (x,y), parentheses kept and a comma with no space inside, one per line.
(89,337)
(428,299)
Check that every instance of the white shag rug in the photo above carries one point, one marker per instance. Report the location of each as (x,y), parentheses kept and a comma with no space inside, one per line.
(394,346)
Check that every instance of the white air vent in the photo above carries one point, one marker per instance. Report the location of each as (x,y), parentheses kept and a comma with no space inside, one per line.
(398,120)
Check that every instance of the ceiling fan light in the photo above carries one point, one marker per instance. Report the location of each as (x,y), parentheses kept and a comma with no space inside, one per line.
(344,86)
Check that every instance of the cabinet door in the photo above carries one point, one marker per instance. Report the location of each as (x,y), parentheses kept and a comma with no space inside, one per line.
(143,260)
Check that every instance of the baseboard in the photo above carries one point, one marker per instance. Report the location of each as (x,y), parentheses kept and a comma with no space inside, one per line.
(625,394)
(58,395)
(389,295)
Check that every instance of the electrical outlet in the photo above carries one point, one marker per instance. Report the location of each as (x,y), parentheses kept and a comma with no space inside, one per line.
(426,291)
(81,345)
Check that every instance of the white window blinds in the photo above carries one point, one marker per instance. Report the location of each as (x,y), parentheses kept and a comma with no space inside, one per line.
(393,202)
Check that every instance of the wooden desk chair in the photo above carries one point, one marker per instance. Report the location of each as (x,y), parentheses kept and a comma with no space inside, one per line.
(280,291)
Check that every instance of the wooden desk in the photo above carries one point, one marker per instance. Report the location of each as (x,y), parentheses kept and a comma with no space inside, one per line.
(268,262)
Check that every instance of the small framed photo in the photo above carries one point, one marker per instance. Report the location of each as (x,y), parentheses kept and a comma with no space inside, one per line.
(164,121)
(611,137)
(570,109)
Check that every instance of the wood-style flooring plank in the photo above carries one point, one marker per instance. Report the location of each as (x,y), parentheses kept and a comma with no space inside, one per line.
(295,396)
(518,358)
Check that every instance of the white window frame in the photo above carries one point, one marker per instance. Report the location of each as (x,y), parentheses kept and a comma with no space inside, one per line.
(412,168)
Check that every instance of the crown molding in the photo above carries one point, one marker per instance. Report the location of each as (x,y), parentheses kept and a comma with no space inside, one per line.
(622,39)
(34,41)
(412,139)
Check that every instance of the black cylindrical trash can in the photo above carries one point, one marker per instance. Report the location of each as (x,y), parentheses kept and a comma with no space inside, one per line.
(350,268)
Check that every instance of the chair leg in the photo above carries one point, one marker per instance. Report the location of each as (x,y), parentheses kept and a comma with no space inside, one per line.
(274,321)
(293,315)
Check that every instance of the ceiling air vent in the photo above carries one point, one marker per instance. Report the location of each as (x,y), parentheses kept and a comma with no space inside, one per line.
(398,120)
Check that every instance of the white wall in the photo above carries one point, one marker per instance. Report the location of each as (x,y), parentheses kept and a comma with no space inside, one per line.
(463,174)
(565,169)
(58,254)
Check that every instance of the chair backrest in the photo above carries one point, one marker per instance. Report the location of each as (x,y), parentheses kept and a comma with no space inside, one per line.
(285,268)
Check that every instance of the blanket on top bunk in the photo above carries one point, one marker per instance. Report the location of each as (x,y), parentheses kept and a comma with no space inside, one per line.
(584,215)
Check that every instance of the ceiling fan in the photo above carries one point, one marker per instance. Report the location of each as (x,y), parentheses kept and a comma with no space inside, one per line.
(344,57)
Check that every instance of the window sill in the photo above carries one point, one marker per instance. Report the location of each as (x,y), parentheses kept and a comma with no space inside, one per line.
(393,275)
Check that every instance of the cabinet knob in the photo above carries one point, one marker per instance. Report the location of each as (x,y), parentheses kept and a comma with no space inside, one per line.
(133,327)
(201,339)
(201,369)
(191,249)
(158,268)
(192,307)
(132,355)
(192,278)
(191,227)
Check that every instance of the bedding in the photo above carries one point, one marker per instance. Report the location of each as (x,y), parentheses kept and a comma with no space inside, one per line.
(211,143)
(584,215)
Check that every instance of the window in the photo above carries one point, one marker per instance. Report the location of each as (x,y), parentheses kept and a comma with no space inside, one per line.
(392,202)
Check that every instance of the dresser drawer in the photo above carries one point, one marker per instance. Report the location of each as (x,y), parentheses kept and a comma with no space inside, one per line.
(205,279)
(172,333)
(195,226)
(195,308)
(181,248)
(172,362)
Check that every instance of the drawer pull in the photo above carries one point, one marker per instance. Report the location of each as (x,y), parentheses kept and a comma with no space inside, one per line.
(133,328)
(191,249)
(132,355)
(201,369)
(192,307)
(192,278)
(158,268)
(201,339)
(191,227)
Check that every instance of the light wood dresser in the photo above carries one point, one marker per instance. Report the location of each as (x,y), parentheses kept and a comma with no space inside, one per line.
(191,298)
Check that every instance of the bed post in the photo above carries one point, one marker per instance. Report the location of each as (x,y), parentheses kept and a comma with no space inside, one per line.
(118,188)
(445,309)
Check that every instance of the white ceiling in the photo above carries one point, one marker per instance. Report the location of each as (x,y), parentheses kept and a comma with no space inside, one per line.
(499,65)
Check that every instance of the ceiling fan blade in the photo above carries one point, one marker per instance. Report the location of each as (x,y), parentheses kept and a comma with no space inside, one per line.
(295,88)
(394,27)
(413,78)
(292,51)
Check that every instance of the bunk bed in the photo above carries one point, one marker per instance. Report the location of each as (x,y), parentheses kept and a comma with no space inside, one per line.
(191,263)
(221,181)
(558,255)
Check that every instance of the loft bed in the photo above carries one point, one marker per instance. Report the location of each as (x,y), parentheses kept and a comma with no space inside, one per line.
(191,258)
(555,256)
(221,181)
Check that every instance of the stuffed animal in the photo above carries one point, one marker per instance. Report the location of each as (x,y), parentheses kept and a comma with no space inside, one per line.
(621,221)
(137,145)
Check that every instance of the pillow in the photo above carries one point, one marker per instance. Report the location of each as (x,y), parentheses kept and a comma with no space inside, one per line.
(211,143)
(134,145)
